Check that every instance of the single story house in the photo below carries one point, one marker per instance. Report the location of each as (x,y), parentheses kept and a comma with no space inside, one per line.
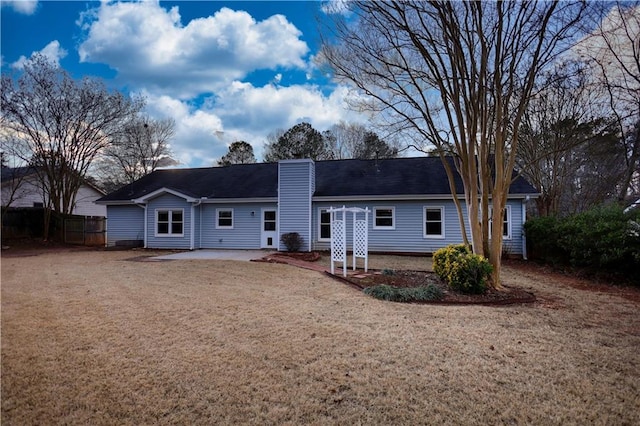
(250,206)
(21,187)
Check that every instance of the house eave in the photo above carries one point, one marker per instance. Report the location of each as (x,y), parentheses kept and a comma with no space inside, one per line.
(239,200)
(381,197)
(161,191)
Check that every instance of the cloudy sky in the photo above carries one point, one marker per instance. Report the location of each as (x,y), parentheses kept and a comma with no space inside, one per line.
(224,70)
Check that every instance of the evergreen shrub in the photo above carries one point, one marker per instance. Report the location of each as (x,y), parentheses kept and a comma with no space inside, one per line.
(462,270)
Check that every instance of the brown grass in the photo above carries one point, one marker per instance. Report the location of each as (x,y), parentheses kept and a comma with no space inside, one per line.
(93,338)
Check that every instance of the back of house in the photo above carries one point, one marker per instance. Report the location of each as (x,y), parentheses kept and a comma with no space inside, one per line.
(249,206)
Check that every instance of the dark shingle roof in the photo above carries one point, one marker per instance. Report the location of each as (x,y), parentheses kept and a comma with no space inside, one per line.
(10,173)
(336,178)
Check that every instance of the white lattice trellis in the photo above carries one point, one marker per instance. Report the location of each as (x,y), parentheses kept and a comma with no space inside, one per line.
(339,244)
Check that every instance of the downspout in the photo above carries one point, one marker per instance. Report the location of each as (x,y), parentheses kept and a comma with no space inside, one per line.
(524,220)
(197,203)
(144,207)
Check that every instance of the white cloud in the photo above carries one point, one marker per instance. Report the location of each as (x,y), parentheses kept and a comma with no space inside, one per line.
(52,51)
(25,7)
(335,7)
(198,138)
(149,46)
(245,112)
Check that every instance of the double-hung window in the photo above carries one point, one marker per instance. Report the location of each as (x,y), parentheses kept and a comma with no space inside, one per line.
(170,223)
(324,225)
(434,222)
(384,218)
(506,223)
(224,218)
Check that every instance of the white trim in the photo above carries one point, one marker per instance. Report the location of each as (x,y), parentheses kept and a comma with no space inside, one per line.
(169,234)
(411,197)
(229,209)
(319,237)
(239,200)
(161,191)
(524,236)
(193,227)
(440,236)
(507,211)
(265,234)
(393,218)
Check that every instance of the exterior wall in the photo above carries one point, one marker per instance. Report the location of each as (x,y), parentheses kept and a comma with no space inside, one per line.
(168,202)
(408,233)
(29,192)
(247,226)
(296,183)
(25,194)
(124,223)
(85,202)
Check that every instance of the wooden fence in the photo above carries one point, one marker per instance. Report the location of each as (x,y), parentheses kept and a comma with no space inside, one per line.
(88,231)
(21,223)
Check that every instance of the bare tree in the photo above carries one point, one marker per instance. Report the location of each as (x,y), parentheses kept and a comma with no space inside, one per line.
(564,139)
(63,125)
(240,152)
(613,51)
(458,75)
(137,150)
(353,140)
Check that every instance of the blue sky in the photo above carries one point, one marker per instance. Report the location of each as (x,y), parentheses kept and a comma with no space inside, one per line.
(224,70)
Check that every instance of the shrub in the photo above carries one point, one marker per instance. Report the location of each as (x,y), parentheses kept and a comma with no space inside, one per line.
(542,237)
(443,257)
(604,238)
(387,271)
(292,241)
(405,294)
(469,273)
(462,270)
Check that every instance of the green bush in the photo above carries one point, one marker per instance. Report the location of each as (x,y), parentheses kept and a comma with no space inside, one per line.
(603,238)
(405,294)
(543,235)
(443,257)
(462,270)
(469,273)
(292,241)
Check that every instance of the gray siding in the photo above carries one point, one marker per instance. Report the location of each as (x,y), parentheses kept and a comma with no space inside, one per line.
(124,223)
(408,235)
(168,202)
(246,226)
(296,183)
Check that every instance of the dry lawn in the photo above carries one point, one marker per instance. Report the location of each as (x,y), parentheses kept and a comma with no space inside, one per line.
(95,338)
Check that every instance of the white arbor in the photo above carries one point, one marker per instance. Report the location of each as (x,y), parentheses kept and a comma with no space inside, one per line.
(339,237)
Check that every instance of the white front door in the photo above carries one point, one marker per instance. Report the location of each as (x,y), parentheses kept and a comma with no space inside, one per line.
(269,234)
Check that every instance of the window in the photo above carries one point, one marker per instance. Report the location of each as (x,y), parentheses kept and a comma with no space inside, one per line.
(324,232)
(38,205)
(269,221)
(224,218)
(169,223)
(506,223)
(384,218)
(434,222)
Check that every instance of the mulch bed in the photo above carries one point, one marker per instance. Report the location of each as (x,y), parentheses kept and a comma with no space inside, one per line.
(507,296)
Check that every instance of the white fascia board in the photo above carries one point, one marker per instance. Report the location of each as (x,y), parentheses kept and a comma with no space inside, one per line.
(161,191)
(239,200)
(405,197)
(386,197)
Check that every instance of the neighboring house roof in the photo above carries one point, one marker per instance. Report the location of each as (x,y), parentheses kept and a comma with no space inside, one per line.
(334,178)
(11,173)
